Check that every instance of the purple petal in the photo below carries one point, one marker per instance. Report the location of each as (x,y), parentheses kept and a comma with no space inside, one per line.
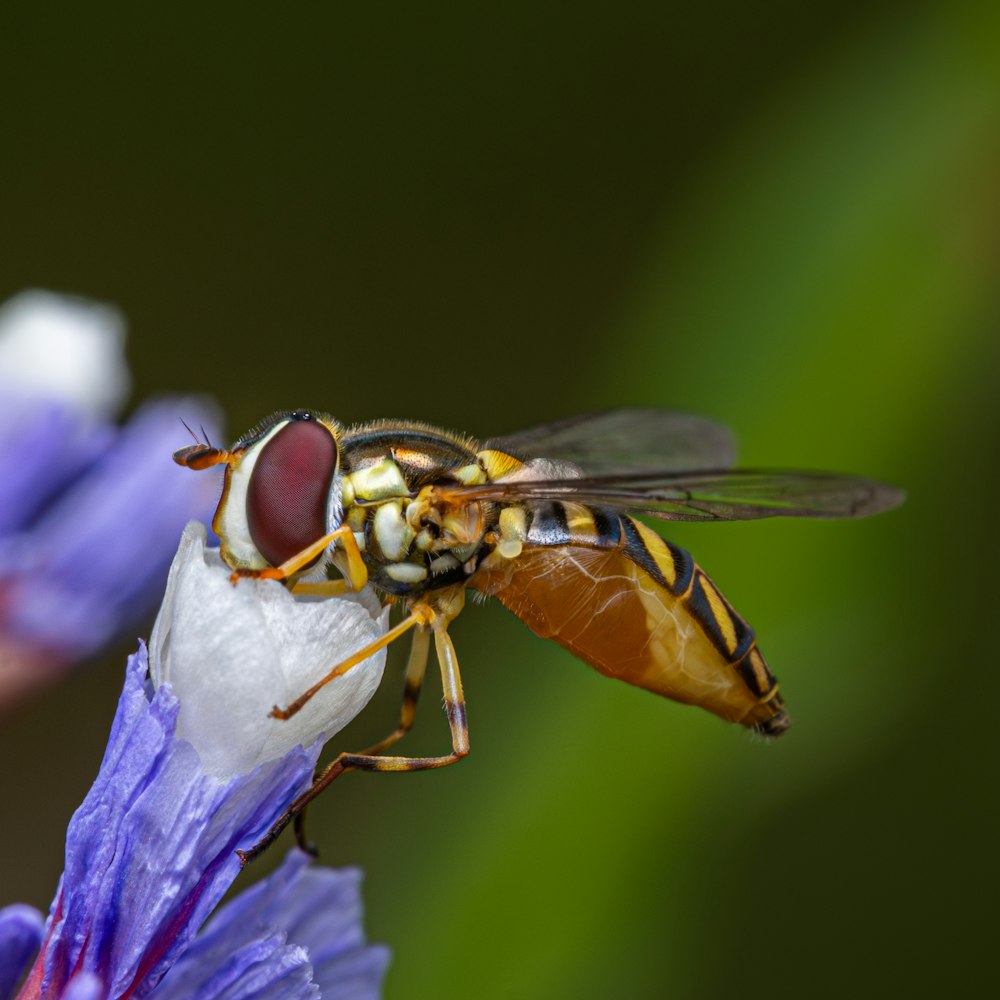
(44,445)
(324,915)
(97,558)
(262,967)
(299,914)
(20,935)
(150,852)
(355,975)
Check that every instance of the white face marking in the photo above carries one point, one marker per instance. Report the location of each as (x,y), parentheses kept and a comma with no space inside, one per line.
(334,505)
(231,523)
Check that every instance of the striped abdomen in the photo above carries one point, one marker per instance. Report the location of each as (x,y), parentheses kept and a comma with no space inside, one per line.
(623,599)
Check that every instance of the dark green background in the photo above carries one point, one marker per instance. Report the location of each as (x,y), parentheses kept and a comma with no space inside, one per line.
(781,216)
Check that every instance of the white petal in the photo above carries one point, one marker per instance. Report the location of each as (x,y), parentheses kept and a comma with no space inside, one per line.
(232,652)
(65,349)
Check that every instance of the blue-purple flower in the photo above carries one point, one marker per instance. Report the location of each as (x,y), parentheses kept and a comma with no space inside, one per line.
(150,853)
(194,769)
(89,511)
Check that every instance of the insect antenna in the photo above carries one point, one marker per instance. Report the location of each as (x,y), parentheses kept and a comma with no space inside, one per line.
(187,427)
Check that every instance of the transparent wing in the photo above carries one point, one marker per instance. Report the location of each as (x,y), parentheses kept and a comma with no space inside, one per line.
(732,495)
(618,441)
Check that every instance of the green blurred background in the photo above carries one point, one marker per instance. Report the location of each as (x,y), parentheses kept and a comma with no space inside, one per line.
(784,217)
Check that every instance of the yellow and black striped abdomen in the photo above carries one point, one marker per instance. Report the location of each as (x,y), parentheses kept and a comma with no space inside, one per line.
(635,607)
(733,639)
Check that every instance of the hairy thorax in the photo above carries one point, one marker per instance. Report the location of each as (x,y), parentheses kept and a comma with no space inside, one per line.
(395,498)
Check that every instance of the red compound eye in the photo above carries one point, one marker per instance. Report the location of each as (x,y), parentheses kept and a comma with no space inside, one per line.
(288,490)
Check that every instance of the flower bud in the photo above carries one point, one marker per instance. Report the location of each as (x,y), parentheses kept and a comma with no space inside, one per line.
(232,652)
(65,349)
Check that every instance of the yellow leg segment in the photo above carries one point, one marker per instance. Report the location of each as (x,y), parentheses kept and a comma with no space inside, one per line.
(357,573)
(457,723)
(321,588)
(415,618)
(415,669)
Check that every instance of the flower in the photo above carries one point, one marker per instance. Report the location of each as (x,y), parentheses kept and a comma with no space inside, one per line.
(152,849)
(89,511)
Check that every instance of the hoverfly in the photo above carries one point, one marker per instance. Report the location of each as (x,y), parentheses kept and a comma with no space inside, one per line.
(541,520)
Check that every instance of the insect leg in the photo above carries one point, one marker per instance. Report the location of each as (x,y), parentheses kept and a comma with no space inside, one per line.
(356,570)
(416,618)
(415,668)
(321,588)
(457,722)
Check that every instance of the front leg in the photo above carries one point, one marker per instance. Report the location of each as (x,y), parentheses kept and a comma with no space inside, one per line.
(357,572)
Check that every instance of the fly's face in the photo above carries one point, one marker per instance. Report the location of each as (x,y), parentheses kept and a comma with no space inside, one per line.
(282,488)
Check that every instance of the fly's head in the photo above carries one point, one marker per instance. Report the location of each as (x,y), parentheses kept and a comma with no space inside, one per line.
(282,487)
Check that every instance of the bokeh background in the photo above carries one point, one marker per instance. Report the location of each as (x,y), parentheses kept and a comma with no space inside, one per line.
(782,216)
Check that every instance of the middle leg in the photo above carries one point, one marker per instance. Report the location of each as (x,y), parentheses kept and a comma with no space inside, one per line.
(415,668)
(457,723)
